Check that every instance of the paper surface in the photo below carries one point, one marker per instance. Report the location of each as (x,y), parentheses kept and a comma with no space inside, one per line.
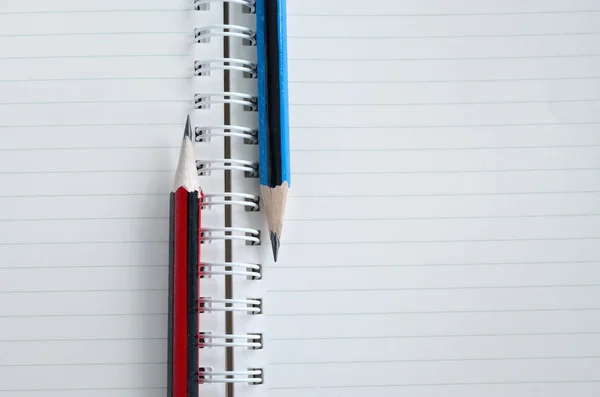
(93,101)
(442,228)
(442,231)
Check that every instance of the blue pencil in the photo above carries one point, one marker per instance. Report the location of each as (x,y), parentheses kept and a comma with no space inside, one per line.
(273,125)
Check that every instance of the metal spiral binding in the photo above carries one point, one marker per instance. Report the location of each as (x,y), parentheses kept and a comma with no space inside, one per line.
(250,236)
(249,341)
(251,271)
(249,201)
(203,68)
(206,166)
(251,375)
(203,134)
(203,101)
(203,4)
(250,306)
(203,35)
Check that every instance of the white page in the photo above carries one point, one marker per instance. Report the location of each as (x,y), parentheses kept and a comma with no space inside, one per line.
(93,100)
(441,236)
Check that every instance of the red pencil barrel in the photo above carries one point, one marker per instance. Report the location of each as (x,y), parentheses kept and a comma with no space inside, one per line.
(180,298)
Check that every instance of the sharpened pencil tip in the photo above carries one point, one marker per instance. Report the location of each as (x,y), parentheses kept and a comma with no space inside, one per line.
(187,132)
(275,245)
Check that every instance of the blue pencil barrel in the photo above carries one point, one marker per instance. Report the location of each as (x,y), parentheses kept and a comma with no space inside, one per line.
(272,74)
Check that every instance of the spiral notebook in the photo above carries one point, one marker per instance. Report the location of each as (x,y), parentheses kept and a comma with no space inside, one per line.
(441,236)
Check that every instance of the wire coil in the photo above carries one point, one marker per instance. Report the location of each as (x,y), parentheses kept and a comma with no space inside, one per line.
(205,167)
(203,4)
(203,68)
(203,35)
(209,234)
(203,134)
(249,201)
(203,101)
(248,341)
(251,375)
(249,306)
(250,271)
(250,236)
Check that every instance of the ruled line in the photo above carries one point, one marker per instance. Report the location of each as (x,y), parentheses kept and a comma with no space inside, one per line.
(59,340)
(317,173)
(319,150)
(80,291)
(375,265)
(122,171)
(354,338)
(99,148)
(461,36)
(314,104)
(426,149)
(384,219)
(370,59)
(436,360)
(324,127)
(96,56)
(321,82)
(465,58)
(85,102)
(94,125)
(79,266)
(336,15)
(153,33)
(433,171)
(431,312)
(70,219)
(313,314)
(99,364)
(365,386)
(75,79)
(433,126)
(82,389)
(494,80)
(449,14)
(161,10)
(333,338)
(331,243)
(317,362)
(448,103)
(116,194)
(82,315)
(322,266)
(121,242)
(416,218)
(334,290)
(442,194)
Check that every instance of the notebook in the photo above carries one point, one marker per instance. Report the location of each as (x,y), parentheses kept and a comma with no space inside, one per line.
(441,234)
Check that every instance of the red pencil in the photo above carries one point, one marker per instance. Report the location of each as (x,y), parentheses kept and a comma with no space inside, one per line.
(184,260)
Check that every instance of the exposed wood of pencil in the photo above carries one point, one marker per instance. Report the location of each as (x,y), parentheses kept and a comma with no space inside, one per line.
(274,200)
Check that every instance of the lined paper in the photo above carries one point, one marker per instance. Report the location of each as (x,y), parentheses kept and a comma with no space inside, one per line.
(93,100)
(442,230)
